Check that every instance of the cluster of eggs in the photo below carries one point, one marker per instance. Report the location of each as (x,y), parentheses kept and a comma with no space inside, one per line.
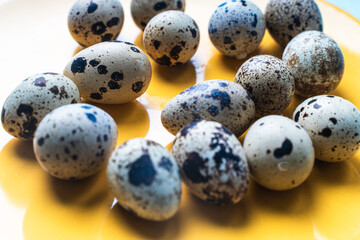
(74,140)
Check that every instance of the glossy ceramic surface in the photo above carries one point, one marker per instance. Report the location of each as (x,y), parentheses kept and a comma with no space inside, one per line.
(33,205)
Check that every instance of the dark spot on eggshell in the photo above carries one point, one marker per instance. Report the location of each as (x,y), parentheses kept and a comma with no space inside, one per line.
(326,132)
(156,44)
(54,90)
(78,65)
(63,93)
(160,6)
(91,117)
(221,96)
(193,32)
(184,106)
(312,101)
(134,49)
(40,82)
(94,62)
(106,37)
(193,166)
(285,149)
(188,127)
(227,40)
(114,85)
(213,110)
(179,4)
(29,125)
(117,76)
(102,69)
(333,120)
(164,60)
(92,7)
(166,164)
(41,141)
(96,96)
(244,3)
(142,171)
(174,53)
(103,89)
(222,84)
(98,28)
(143,24)
(255,22)
(112,22)
(137,87)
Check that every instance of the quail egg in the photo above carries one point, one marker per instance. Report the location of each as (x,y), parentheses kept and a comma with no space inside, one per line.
(171,38)
(215,100)
(95,21)
(144,178)
(32,99)
(111,72)
(269,81)
(236,28)
(333,125)
(316,62)
(279,152)
(212,162)
(75,141)
(143,10)
(287,18)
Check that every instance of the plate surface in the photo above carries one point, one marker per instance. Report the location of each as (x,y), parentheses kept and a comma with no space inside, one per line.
(34,205)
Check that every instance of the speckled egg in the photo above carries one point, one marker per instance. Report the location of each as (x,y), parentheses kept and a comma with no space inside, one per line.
(95,21)
(143,10)
(279,152)
(32,99)
(236,28)
(215,100)
(316,62)
(333,125)
(75,141)
(144,178)
(171,38)
(212,162)
(112,72)
(270,83)
(287,18)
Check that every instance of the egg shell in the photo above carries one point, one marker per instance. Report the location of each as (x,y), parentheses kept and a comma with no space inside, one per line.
(75,141)
(212,162)
(143,10)
(95,21)
(32,99)
(270,83)
(333,125)
(236,28)
(171,38)
(287,18)
(279,152)
(316,62)
(215,100)
(112,72)
(144,178)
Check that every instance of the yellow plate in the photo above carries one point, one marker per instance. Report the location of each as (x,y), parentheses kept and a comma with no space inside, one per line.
(33,205)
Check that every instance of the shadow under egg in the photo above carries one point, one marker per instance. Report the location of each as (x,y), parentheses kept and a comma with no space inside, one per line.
(20,174)
(296,101)
(131,118)
(237,215)
(167,82)
(122,224)
(291,202)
